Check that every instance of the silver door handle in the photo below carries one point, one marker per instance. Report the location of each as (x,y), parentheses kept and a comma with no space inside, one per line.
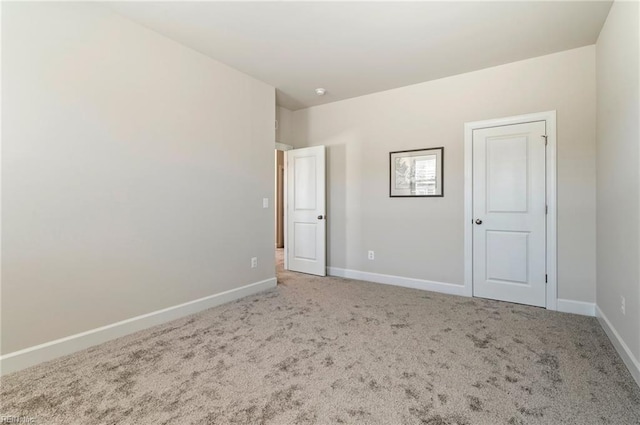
(320,217)
(478,221)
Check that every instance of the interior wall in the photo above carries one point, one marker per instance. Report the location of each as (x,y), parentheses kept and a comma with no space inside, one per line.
(423,238)
(133,172)
(284,131)
(618,147)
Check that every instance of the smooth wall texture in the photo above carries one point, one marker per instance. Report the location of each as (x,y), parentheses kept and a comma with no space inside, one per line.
(423,238)
(618,200)
(133,172)
(284,129)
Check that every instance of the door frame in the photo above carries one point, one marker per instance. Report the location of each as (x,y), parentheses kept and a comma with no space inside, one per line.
(551,237)
(284,147)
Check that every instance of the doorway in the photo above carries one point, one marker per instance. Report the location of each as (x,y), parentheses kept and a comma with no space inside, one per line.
(279,204)
(300,209)
(279,199)
(279,209)
(510,209)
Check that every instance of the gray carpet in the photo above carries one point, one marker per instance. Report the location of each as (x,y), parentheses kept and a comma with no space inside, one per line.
(331,351)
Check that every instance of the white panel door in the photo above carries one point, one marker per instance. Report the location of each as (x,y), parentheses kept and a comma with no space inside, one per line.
(306,215)
(509,207)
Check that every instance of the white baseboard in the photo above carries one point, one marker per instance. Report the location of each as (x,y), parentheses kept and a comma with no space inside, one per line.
(623,350)
(576,307)
(31,356)
(407,282)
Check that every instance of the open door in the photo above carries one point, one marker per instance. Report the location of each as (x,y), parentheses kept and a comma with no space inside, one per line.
(306,211)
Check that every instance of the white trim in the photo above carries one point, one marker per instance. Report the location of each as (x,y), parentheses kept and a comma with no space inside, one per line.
(552,216)
(550,118)
(576,307)
(285,205)
(31,356)
(407,282)
(623,350)
(283,147)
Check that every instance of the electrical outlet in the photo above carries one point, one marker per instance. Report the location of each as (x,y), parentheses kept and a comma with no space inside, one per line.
(265,202)
(372,255)
(623,306)
(254,262)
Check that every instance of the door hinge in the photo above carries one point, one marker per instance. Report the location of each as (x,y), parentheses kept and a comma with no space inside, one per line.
(546,278)
(545,137)
(546,209)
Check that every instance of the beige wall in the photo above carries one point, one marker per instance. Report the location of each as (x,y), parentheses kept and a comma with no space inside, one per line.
(618,227)
(133,172)
(423,238)
(284,129)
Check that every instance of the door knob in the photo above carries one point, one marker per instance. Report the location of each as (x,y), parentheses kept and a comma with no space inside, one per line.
(320,217)
(478,221)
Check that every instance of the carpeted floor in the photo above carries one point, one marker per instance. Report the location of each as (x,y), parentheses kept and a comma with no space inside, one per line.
(331,351)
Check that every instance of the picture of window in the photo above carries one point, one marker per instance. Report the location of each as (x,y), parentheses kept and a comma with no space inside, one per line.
(416,173)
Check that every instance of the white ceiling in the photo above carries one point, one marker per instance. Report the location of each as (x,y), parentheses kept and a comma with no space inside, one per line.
(357,48)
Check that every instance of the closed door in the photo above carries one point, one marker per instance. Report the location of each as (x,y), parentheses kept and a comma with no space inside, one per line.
(306,215)
(509,213)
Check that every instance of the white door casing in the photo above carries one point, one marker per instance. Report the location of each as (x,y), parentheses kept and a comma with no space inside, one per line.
(509,183)
(509,213)
(306,211)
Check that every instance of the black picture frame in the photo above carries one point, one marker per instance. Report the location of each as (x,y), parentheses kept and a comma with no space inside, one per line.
(416,173)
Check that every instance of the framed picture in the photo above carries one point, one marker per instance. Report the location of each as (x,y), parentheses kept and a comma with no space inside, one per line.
(416,173)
